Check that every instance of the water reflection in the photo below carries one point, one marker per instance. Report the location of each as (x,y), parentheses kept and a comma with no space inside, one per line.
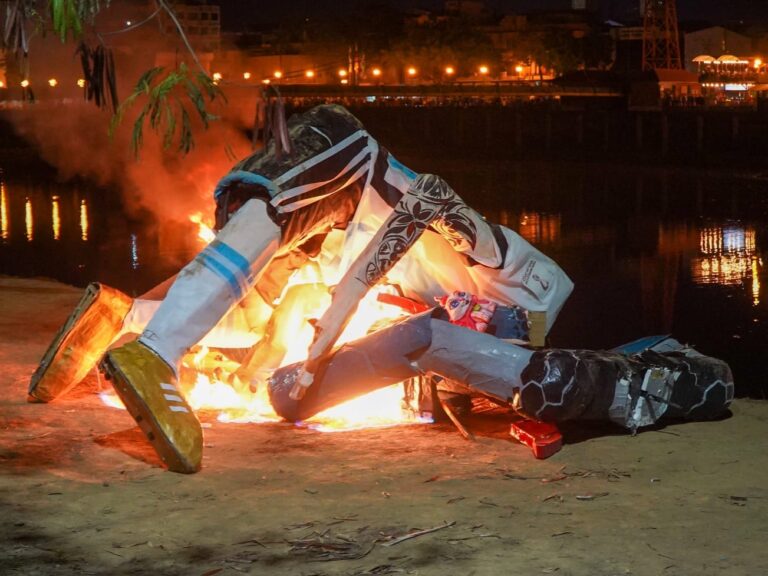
(134,252)
(728,257)
(56,217)
(83,220)
(540,228)
(4,232)
(29,222)
(642,264)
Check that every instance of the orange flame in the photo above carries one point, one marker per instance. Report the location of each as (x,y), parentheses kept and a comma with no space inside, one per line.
(205,232)
(214,385)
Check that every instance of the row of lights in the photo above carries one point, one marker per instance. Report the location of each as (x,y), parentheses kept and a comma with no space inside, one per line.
(278,74)
(375,72)
(52,82)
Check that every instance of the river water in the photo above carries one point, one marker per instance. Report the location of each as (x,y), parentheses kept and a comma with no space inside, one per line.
(651,250)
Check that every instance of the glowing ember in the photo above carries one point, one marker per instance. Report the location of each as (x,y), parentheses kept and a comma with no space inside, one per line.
(378,409)
(205,233)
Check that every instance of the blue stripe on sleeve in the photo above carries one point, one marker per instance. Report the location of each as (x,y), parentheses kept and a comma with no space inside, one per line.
(397,165)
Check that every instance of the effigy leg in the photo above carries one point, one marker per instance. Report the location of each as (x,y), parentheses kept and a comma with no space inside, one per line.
(93,325)
(548,385)
(143,372)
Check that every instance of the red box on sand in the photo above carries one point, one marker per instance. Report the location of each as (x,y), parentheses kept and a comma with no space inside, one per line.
(543,439)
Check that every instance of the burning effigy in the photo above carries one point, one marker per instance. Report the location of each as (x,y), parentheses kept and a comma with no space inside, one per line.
(309,229)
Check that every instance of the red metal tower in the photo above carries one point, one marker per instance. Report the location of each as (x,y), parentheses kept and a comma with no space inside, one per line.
(661,44)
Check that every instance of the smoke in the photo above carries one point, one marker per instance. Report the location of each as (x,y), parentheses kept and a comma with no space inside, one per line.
(73,137)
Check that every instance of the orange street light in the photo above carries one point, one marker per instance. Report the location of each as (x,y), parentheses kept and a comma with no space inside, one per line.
(2,84)
(376,72)
(309,73)
(411,71)
(519,69)
(53,82)
(266,81)
(483,69)
(450,70)
(81,82)
(342,72)
(24,83)
(278,74)
(246,75)
(344,81)
(758,62)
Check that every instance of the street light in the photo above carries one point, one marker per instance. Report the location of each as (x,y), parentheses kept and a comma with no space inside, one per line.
(53,82)
(81,82)
(411,71)
(246,75)
(483,69)
(376,72)
(342,73)
(519,69)
(309,73)
(278,74)
(450,70)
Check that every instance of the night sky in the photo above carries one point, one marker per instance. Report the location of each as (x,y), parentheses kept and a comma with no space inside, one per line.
(260,15)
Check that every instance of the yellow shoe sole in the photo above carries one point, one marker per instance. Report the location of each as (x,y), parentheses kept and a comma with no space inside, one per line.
(146,385)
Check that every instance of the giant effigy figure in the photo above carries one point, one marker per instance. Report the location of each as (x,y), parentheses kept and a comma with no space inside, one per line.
(273,211)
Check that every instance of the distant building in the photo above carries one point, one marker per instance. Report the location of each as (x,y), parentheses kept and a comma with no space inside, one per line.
(528,6)
(716,41)
(201,22)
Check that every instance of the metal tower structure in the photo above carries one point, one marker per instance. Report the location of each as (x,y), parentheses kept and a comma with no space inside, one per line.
(661,44)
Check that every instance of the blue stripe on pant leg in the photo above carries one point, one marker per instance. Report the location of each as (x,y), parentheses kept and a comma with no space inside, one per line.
(222,271)
(237,273)
(237,259)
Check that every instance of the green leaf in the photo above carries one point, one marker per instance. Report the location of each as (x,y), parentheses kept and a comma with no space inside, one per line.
(166,97)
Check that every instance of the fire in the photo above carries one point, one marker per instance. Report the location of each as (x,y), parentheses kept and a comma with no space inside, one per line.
(205,233)
(208,379)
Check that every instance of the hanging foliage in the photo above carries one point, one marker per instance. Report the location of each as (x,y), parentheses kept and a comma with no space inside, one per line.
(69,15)
(15,35)
(174,98)
(99,73)
(165,109)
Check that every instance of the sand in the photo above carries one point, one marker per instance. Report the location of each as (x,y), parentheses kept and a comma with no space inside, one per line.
(81,491)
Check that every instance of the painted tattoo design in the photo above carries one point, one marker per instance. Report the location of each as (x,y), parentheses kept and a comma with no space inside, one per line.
(429,201)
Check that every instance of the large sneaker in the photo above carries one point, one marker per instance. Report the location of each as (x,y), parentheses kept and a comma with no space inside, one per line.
(80,342)
(147,387)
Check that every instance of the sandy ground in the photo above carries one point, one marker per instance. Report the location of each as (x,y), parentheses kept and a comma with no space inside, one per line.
(82,493)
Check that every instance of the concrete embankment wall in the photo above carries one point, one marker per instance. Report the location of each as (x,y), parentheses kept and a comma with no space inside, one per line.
(543,132)
(696,137)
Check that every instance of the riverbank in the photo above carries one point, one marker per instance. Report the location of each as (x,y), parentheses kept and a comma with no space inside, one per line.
(81,491)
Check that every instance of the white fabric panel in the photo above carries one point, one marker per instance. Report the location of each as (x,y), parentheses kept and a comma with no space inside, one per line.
(528,278)
(206,288)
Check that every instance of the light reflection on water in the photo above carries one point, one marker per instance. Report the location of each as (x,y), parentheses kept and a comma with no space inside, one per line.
(4,232)
(56,218)
(729,257)
(684,257)
(29,220)
(84,225)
